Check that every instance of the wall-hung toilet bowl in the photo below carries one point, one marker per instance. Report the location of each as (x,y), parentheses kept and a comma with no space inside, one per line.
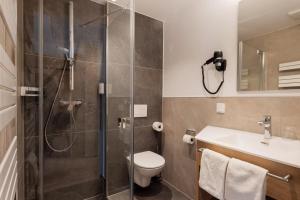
(146,165)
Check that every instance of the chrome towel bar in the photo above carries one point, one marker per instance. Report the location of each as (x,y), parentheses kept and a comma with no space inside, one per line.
(284,178)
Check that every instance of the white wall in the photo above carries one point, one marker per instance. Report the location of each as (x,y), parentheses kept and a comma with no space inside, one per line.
(191,36)
(192,32)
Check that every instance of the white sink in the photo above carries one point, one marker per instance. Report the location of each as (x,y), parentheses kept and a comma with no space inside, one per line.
(282,150)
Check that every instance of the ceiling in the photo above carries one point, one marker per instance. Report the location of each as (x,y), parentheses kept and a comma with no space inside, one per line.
(259,17)
(256,17)
(99,1)
(157,9)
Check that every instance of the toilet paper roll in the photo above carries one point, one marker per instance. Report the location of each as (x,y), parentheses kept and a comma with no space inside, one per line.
(188,139)
(158,126)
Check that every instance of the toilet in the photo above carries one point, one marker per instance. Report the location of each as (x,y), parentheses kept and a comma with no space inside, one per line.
(146,165)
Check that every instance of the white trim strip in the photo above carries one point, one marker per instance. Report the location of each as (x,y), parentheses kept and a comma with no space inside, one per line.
(289,81)
(6,63)
(289,85)
(7,81)
(290,77)
(9,10)
(14,186)
(10,180)
(7,99)
(292,67)
(7,115)
(8,172)
(289,64)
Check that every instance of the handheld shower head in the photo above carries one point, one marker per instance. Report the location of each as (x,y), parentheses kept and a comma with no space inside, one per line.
(63,49)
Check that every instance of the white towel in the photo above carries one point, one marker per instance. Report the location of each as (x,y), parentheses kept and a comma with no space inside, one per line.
(213,172)
(245,181)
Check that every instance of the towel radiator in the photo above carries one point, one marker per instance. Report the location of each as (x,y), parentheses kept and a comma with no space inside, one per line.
(282,178)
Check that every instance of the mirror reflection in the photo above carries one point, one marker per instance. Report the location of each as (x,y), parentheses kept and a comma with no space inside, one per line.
(269,45)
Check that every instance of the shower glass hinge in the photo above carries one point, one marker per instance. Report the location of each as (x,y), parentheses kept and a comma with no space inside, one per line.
(101,88)
(29,91)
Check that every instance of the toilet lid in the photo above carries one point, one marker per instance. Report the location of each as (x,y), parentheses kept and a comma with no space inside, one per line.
(148,159)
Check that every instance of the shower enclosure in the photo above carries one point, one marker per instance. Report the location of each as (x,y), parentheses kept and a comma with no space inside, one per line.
(252,69)
(79,55)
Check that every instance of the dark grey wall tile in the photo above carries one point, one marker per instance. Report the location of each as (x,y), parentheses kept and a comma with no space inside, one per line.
(148,81)
(83,157)
(117,150)
(85,144)
(148,42)
(77,165)
(118,80)
(31,114)
(77,191)
(118,35)
(31,70)
(86,115)
(31,26)
(148,90)
(117,107)
(145,139)
(71,171)
(31,167)
(119,145)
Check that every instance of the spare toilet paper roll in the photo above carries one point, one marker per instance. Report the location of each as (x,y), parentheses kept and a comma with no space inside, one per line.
(158,126)
(188,139)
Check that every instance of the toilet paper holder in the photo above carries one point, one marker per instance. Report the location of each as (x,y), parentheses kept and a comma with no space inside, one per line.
(189,136)
(190,131)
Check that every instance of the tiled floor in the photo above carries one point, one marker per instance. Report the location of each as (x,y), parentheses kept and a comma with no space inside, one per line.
(156,191)
(87,190)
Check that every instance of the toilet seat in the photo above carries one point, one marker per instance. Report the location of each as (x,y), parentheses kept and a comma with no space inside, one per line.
(148,160)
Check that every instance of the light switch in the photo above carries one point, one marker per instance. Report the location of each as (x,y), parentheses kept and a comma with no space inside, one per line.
(221,108)
(140,110)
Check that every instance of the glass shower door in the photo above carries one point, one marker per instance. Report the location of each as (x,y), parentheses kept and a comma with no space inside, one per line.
(251,68)
(78,132)
(119,135)
(73,67)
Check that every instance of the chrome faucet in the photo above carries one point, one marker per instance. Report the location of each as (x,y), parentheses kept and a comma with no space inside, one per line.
(267,124)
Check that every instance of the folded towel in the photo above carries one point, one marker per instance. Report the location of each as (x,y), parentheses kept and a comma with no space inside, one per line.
(213,172)
(245,181)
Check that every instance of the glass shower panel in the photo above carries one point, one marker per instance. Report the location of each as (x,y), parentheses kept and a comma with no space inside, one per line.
(74,55)
(120,38)
(30,105)
(63,126)
(78,137)
(251,68)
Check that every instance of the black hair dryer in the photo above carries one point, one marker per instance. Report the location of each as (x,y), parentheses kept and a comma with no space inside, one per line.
(220,64)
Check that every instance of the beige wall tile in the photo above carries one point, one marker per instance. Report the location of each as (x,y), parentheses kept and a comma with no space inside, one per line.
(10,132)
(2,32)
(9,46)
(2,143)
(280,47)
(290,118)
(241,113)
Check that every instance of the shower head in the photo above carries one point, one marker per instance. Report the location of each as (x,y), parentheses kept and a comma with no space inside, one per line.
(65,50)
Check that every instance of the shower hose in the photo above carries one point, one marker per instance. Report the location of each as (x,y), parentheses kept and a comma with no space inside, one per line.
(51,112)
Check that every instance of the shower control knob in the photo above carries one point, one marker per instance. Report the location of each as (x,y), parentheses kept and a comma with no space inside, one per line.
(123,122)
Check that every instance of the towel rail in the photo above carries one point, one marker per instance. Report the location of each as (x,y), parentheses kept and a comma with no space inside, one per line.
(282,178)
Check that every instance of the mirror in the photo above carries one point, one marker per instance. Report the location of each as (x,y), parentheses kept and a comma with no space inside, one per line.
(269,45)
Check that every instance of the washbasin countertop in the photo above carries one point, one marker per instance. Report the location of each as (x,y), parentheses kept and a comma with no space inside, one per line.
(281,150)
